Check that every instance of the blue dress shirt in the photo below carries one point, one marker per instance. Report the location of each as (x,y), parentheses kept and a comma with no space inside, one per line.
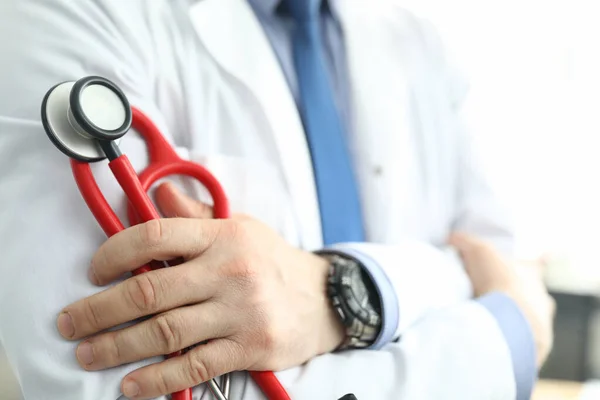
(278,28)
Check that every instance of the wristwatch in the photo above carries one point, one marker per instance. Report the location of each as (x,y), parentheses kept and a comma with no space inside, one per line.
(355,298)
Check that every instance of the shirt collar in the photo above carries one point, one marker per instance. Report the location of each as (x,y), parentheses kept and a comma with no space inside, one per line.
(267,7)
(270,7)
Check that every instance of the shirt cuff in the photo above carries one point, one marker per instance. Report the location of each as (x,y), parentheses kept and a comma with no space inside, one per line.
(385,290)
(518,336)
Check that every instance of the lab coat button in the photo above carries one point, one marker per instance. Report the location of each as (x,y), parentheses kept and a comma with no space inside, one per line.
(377,170)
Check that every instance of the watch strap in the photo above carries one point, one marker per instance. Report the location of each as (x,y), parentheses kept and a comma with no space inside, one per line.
(355,300)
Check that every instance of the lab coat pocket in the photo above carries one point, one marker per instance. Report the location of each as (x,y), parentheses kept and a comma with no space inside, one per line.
(253,186)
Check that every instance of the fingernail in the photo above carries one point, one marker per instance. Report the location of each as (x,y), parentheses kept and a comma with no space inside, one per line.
(65,325)
(130,388)
(85,353)
(92,275)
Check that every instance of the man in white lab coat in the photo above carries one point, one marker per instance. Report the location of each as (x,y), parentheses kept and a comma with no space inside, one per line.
(332,125)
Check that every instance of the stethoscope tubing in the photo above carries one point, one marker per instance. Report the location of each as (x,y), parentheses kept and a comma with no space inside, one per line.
(129,182)
(141,203)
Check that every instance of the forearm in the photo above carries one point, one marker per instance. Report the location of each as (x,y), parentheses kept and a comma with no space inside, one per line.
(412,279)
(458,351)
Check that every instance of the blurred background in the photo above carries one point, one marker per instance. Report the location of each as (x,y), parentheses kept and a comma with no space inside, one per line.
(534,70)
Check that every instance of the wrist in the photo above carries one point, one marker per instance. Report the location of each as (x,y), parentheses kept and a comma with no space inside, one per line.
(355,299)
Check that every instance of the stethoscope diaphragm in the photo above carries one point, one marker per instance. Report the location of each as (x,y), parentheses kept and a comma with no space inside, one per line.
(77,116)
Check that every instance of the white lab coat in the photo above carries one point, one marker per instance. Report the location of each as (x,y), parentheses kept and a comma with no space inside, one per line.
(205,73)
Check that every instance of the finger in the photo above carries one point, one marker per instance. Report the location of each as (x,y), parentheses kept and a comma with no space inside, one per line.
(194,367)
(459,239)
(161,239)
(173,203)
(465,243)
(139,296)
(163,334)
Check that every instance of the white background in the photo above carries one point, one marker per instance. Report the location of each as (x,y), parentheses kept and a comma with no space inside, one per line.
(534,69)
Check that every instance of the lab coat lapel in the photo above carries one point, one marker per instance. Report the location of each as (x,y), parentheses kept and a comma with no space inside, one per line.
(381,137)
(235,39)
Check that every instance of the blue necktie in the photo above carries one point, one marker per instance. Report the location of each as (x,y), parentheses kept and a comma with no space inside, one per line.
(336,186)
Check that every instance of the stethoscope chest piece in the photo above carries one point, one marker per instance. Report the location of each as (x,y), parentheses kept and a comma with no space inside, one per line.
(78,116)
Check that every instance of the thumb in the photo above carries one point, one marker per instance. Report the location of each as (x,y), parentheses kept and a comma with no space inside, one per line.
(173,203)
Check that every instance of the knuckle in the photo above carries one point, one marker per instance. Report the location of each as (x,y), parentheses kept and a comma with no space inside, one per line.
(118,347)
(238,230)
(101,260)
(161,382)
(264,331)
(243,274)
(198,369)
(92,314)
(167,333)
(152,233)
(241,268)
(269,340)
(143,292)
(112,349)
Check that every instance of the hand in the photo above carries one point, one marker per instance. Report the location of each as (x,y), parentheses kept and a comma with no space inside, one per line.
(523,283)
(259,302)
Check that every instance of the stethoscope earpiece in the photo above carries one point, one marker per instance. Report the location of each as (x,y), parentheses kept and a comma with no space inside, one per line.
(85,117)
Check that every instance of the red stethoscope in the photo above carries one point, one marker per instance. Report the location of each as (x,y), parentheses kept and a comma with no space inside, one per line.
(85,120)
